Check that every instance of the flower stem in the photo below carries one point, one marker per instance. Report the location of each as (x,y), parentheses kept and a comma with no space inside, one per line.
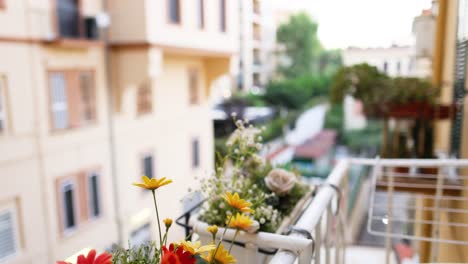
(221,240)
(157,217)
(233,239)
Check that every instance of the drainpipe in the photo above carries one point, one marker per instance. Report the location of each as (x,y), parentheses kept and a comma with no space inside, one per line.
(111,128)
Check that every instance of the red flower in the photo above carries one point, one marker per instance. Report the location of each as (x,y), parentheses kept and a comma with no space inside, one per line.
(104,258)
(176,257)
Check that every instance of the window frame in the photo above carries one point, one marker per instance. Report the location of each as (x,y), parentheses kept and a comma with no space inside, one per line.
(169,13)
(76,212)
(13,210)
(74,107)
(89,193)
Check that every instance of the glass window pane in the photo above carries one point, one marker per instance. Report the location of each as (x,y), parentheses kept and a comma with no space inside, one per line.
(148,166)
(69,207)
(94,195)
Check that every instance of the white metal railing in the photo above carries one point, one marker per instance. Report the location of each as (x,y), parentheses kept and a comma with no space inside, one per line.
(324,220)
(321,233)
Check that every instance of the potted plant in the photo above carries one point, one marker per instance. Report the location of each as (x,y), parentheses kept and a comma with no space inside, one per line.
(274,195)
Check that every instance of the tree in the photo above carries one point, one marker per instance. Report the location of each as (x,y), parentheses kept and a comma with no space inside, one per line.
(302,48)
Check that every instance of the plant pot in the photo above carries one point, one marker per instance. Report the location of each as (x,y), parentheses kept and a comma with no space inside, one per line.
(241,253)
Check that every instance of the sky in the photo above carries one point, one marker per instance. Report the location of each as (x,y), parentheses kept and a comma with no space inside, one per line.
(361,23)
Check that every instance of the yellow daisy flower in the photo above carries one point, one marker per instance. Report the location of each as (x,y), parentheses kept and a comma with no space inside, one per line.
(241,221)
(196,247)
(152,184)
(222,256)
(236,202)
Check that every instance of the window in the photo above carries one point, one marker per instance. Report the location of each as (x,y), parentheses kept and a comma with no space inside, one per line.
(72,99)
(68,205)
(201,14)
(68,14)
(144,99)
(59,106)
(93,195)
(195,153)
(385,66)
(2,106)
(8,241)
(174,11)
(148,169)
(88,96)
(222,19)
(193,87)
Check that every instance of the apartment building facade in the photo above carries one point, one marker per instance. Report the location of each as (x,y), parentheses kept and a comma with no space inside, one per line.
(82,118)
(257,44)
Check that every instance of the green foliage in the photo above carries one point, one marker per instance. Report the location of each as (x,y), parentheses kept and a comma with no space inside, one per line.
(334,119)
(254,99)
(363,81)
(147,253)
(377,90)
(303,50)
(369,137)
(301,44)
(295,93)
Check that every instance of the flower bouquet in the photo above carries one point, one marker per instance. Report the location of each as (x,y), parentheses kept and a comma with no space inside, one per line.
(274,196)
(183,252)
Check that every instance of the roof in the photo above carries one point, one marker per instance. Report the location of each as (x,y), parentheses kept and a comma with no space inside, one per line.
(316,146)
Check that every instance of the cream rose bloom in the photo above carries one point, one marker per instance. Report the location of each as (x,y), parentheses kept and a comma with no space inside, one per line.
(280,181)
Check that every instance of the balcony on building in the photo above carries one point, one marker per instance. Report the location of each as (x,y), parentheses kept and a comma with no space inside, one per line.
(72,25)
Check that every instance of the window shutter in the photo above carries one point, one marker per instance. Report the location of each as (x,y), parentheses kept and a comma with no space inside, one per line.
(82,196)
(144,99)
(74,99)
(88,96)
(461,60)
(7,235)
(58,96)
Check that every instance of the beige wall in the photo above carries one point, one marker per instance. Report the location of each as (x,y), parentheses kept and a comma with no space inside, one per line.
(37,156)
(130,26)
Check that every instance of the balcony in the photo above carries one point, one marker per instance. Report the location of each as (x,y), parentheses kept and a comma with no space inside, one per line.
(72,25)
(399,220)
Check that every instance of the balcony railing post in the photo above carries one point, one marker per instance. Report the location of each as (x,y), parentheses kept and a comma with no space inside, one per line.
(318,241)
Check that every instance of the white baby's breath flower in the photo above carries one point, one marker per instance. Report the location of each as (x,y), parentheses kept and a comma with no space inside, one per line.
(222,205)
(258,146)
(233,114)
(228,212)
(260,138)
(236,151)
(262,220)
